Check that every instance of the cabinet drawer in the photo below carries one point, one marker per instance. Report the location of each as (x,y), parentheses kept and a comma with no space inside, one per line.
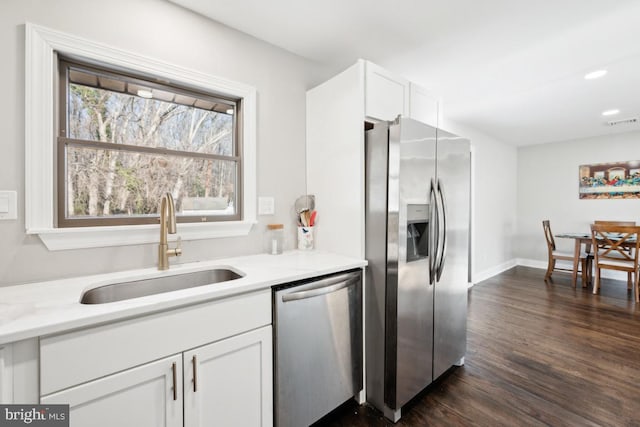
(80,356)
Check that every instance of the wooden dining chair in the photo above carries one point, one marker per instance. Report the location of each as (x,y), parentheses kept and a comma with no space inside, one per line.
(555,255)
(616,247)
(607,222)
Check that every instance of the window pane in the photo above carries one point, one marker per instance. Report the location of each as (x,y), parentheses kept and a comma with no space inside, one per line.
(110,183)
(96,114)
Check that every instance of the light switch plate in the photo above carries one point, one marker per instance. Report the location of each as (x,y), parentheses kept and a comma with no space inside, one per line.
(266,206)
(8,205)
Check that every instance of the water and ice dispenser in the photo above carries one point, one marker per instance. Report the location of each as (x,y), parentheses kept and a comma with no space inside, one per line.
(417,231)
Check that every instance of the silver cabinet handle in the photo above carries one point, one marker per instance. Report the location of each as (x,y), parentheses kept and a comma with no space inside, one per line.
(322,287)
(174,368)
(443,253)
(194,363)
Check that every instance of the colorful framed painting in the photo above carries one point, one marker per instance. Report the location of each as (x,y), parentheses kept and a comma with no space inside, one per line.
(620,180)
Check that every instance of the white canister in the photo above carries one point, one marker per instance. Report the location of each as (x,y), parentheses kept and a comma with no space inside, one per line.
(305,238)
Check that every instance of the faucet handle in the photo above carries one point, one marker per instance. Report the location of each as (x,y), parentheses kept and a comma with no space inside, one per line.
(178,249)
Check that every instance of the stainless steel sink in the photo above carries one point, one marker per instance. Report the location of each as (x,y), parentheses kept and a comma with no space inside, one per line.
(157,285)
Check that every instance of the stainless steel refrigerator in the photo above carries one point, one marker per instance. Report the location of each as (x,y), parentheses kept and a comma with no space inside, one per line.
(417,244)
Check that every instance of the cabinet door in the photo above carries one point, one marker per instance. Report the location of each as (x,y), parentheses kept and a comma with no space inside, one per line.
(139,397)
(424,106)
(386,95)
(229,383)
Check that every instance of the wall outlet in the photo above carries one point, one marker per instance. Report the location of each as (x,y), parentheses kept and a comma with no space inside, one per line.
(266,206)
(8,205)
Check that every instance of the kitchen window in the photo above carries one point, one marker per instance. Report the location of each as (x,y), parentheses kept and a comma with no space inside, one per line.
(226,209)
(125,140)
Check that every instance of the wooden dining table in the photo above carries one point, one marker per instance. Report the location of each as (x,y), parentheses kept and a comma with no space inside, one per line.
(580,239)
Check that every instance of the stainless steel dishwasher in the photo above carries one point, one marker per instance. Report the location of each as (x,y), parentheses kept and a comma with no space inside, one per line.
(318,347)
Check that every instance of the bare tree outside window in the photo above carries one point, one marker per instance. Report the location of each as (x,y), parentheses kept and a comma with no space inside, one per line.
(124,142)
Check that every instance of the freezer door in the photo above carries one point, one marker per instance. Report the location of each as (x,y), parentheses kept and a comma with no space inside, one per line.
(412,167)
(450,297)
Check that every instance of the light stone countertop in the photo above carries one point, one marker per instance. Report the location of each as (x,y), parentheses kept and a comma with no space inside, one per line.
(37,309)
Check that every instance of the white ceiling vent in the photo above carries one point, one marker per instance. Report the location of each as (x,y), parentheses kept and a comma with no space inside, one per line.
(628,121)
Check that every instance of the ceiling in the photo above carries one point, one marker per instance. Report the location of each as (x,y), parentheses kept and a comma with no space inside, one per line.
(513,69)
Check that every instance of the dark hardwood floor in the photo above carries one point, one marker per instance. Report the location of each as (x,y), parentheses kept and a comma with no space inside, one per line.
(537,355)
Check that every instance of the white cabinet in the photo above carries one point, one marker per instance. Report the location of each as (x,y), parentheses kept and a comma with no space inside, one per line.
(19,381)
(228,383)
(336,114)
(335,160)
(386,94)
(6,375)
(123,374)
(138,397)
(424,106)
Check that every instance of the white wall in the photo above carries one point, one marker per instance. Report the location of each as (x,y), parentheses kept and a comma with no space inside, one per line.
(548,189)
(281,80)
(494,202)
(164,31)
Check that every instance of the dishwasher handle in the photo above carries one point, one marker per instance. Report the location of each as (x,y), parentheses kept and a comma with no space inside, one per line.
(323,287)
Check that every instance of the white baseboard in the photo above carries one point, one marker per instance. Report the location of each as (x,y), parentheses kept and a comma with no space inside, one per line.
(493,271)
(535,263)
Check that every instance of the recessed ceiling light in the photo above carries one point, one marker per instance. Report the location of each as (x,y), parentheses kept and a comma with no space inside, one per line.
(230,111)
(610,112)
(145,93)
(595,74)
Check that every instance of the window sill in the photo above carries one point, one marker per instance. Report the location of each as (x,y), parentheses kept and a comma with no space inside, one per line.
(57,239)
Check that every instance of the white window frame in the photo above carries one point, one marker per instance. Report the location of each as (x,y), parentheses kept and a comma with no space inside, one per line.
(42,45)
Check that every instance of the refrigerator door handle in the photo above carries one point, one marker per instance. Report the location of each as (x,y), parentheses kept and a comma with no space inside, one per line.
(433,232)
(443,252)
